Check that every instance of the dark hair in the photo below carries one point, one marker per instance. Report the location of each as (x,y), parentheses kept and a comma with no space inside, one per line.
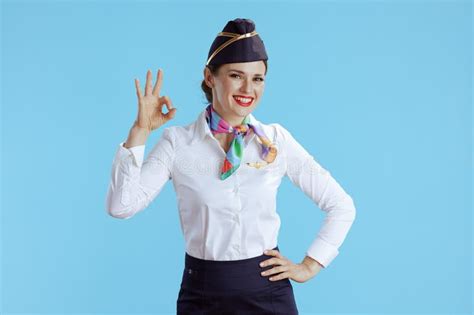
(214,70)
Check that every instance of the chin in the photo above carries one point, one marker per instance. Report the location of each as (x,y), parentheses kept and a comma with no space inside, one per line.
(243,111)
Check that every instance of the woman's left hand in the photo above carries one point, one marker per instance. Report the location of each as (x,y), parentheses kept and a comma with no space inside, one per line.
(285,268)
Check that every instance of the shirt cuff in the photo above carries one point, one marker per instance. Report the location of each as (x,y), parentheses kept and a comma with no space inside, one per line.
(137,152)
(322,251)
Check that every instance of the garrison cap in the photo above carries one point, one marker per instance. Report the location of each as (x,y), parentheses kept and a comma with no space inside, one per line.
(238,42)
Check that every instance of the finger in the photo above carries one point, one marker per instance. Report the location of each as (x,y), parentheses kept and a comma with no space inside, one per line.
(167,101)
(280,276)
(137,87)
(266,262)
(273,252)
(149,79)
(271,261)
(274,270)
(169,105)
(170,114)
(159,79)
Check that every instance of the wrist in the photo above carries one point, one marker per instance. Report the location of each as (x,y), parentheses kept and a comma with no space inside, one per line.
(312,264)
(137,129)
(137,136)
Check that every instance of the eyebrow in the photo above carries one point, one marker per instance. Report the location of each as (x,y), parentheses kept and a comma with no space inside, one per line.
(257,74)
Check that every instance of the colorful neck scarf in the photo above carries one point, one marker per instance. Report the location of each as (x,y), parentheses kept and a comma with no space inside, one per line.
(234,155)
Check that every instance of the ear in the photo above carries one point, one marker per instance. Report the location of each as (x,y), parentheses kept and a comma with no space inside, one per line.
(208,78)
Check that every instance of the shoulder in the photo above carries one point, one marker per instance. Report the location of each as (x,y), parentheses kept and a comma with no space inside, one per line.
(178,134)
(285,140)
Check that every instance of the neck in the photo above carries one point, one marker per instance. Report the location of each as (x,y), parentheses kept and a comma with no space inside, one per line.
(232,120)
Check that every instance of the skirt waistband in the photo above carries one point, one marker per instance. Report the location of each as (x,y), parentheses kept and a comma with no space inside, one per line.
(211,265)
(227,274)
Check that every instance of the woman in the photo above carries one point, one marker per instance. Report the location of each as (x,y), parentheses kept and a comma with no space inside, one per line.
(226,168)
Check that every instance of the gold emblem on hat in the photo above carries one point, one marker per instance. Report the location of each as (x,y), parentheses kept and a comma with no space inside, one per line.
(234,37)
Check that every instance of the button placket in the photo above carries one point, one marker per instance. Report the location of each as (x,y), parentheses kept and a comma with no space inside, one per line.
(236,216)
(236,191)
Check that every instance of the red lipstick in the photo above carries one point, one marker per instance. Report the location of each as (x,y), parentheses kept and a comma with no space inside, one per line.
(244,104)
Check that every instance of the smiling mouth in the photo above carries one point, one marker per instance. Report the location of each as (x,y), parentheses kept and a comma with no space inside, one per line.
(244,102)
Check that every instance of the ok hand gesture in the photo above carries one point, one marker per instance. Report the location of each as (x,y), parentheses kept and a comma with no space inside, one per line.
(150,105)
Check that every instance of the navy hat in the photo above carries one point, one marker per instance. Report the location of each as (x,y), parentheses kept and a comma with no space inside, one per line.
(238,42)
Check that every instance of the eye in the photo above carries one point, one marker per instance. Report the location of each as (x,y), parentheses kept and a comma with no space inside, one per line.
(234,75)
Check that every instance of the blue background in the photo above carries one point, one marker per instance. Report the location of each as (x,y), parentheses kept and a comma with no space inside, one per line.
(378,91)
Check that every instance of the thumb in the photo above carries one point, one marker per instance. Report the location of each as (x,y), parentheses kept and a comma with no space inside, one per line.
(170,114)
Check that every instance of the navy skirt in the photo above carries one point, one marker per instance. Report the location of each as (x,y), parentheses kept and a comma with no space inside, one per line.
(233,287)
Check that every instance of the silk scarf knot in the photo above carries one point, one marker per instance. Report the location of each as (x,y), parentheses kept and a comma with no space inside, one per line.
(234,154)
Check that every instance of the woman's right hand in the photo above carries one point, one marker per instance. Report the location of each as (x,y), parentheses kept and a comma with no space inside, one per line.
(150,105)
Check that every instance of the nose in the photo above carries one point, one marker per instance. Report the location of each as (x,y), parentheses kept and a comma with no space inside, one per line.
(247,86)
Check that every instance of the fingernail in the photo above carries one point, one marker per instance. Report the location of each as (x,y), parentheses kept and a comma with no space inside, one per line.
(266,252)
(261,264)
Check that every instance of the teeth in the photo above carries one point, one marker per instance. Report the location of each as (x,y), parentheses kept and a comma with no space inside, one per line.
(243,100)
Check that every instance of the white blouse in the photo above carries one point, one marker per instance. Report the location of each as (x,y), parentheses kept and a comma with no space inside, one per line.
(234,218)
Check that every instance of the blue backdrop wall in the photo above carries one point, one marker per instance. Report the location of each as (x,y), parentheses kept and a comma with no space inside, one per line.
(379,92)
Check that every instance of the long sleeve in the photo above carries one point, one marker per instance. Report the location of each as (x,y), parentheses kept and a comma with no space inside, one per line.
(134,183)
(318,184)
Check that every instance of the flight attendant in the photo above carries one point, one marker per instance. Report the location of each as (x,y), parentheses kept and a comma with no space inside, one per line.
(226,167)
